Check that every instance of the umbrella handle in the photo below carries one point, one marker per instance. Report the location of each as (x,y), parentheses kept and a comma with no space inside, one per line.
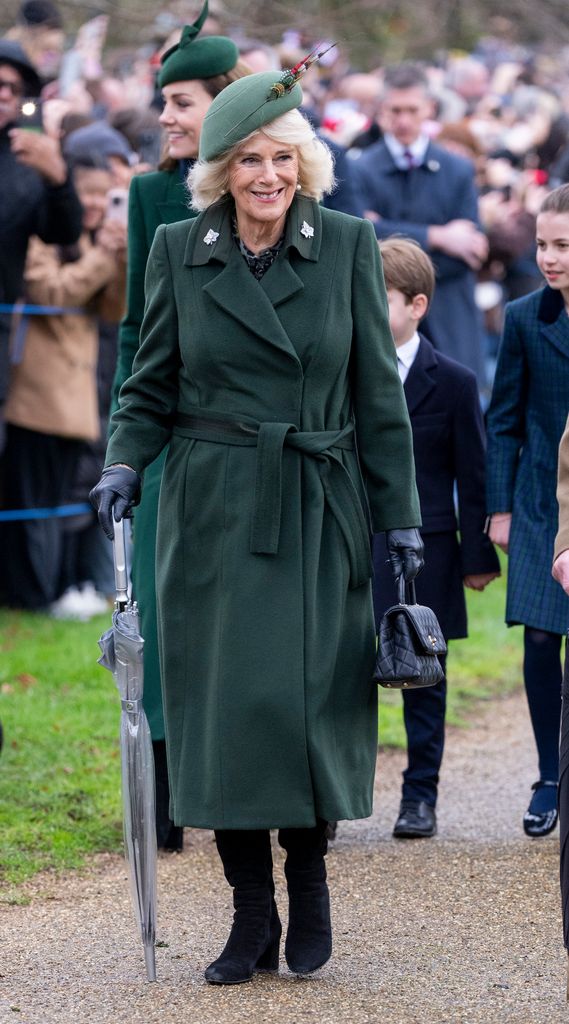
(119,553)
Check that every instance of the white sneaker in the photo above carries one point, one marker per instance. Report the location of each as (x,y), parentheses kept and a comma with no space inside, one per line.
(70,606)
(79,605)
(93,602)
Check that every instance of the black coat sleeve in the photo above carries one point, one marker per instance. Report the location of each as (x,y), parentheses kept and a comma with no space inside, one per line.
(60,215)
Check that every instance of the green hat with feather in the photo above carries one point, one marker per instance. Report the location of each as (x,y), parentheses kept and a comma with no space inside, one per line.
(245,106)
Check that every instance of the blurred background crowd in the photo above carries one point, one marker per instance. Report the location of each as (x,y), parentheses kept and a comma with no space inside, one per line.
(93,123)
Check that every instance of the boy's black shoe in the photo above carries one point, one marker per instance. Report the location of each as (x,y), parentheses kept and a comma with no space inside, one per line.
(417,820)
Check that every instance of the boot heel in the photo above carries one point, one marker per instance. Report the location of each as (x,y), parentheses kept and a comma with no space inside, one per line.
(268,962)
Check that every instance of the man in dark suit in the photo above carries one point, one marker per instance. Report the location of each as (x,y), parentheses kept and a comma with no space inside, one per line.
(448,442)
(411,187)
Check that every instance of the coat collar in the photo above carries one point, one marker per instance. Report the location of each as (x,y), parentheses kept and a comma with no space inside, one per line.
(551,305)
(234,289)
(421,377)
(217,219)
(552,319)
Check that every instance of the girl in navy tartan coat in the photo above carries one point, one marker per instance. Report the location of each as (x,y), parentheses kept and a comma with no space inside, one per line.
(527,416)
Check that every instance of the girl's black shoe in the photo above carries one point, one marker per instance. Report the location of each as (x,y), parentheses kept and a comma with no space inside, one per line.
(541,816)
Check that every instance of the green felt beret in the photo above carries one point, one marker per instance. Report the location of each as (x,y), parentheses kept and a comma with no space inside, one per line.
(243,107)
(197,58)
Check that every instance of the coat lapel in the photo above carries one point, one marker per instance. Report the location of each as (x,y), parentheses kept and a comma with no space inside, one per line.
(234,289)
(552,320)
(421,377)
(281,281)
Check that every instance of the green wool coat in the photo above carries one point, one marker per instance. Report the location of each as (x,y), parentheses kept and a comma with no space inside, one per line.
(266,629)
(154,199)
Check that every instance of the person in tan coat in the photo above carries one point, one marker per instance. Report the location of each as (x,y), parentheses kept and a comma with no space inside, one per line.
(52,406)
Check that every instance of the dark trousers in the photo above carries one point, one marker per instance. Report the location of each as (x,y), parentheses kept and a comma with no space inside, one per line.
(424,716)
(38,473)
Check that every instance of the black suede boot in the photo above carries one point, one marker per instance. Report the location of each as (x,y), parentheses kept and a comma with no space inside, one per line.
(309,938)
(253,943)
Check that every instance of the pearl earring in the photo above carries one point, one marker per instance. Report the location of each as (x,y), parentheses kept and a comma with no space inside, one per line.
(298,187)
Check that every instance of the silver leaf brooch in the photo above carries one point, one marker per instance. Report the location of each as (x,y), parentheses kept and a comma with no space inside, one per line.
(307,230)
(211,237)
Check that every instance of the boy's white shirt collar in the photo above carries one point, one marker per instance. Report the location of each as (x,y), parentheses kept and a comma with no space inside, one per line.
(406,355)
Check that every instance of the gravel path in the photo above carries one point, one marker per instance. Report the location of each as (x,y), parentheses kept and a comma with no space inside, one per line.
(464,928)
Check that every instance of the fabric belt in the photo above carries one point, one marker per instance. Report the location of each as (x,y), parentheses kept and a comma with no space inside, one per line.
(270,439)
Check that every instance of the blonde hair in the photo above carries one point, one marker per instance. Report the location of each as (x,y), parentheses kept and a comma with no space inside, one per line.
(209,180)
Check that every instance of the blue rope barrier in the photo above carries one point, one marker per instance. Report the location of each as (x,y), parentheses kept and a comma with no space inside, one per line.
(18,514)
(28,309)
(21,313)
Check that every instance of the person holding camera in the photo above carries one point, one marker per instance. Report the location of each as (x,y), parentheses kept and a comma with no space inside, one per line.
(52,410)
(38,197)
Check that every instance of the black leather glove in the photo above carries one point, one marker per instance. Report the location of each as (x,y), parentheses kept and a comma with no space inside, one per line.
(116,493)
(405,548)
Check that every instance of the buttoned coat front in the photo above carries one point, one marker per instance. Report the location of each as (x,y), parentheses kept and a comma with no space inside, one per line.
(526,419)
(266,629)
(449,446)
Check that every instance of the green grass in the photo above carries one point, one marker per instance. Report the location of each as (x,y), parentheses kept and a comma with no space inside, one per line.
(60,767)
(486,665)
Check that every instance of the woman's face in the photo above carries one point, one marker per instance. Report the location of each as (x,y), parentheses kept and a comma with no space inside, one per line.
(185,106)
(263,176)
(552,239)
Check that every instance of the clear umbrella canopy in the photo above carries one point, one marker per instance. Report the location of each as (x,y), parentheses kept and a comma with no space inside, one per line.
(122,653)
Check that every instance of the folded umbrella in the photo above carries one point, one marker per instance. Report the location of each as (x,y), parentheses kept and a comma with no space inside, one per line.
(122,648)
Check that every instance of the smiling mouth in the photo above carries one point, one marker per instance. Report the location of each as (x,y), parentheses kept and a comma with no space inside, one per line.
(268,197)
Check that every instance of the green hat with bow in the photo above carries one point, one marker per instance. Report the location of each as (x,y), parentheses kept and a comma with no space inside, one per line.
(246,105)
(194,57)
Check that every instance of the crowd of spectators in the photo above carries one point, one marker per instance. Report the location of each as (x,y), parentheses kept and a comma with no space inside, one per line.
(501,112)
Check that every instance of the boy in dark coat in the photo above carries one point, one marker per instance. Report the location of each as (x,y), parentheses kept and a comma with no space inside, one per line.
(448,441)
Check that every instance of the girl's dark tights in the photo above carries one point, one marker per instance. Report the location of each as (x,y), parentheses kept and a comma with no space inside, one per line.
(542,678)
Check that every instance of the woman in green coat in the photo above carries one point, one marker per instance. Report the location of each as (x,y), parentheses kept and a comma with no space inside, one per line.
(192,74)
(267,365)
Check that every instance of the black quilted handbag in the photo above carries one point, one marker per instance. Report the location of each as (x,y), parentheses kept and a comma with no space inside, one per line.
(409,640)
